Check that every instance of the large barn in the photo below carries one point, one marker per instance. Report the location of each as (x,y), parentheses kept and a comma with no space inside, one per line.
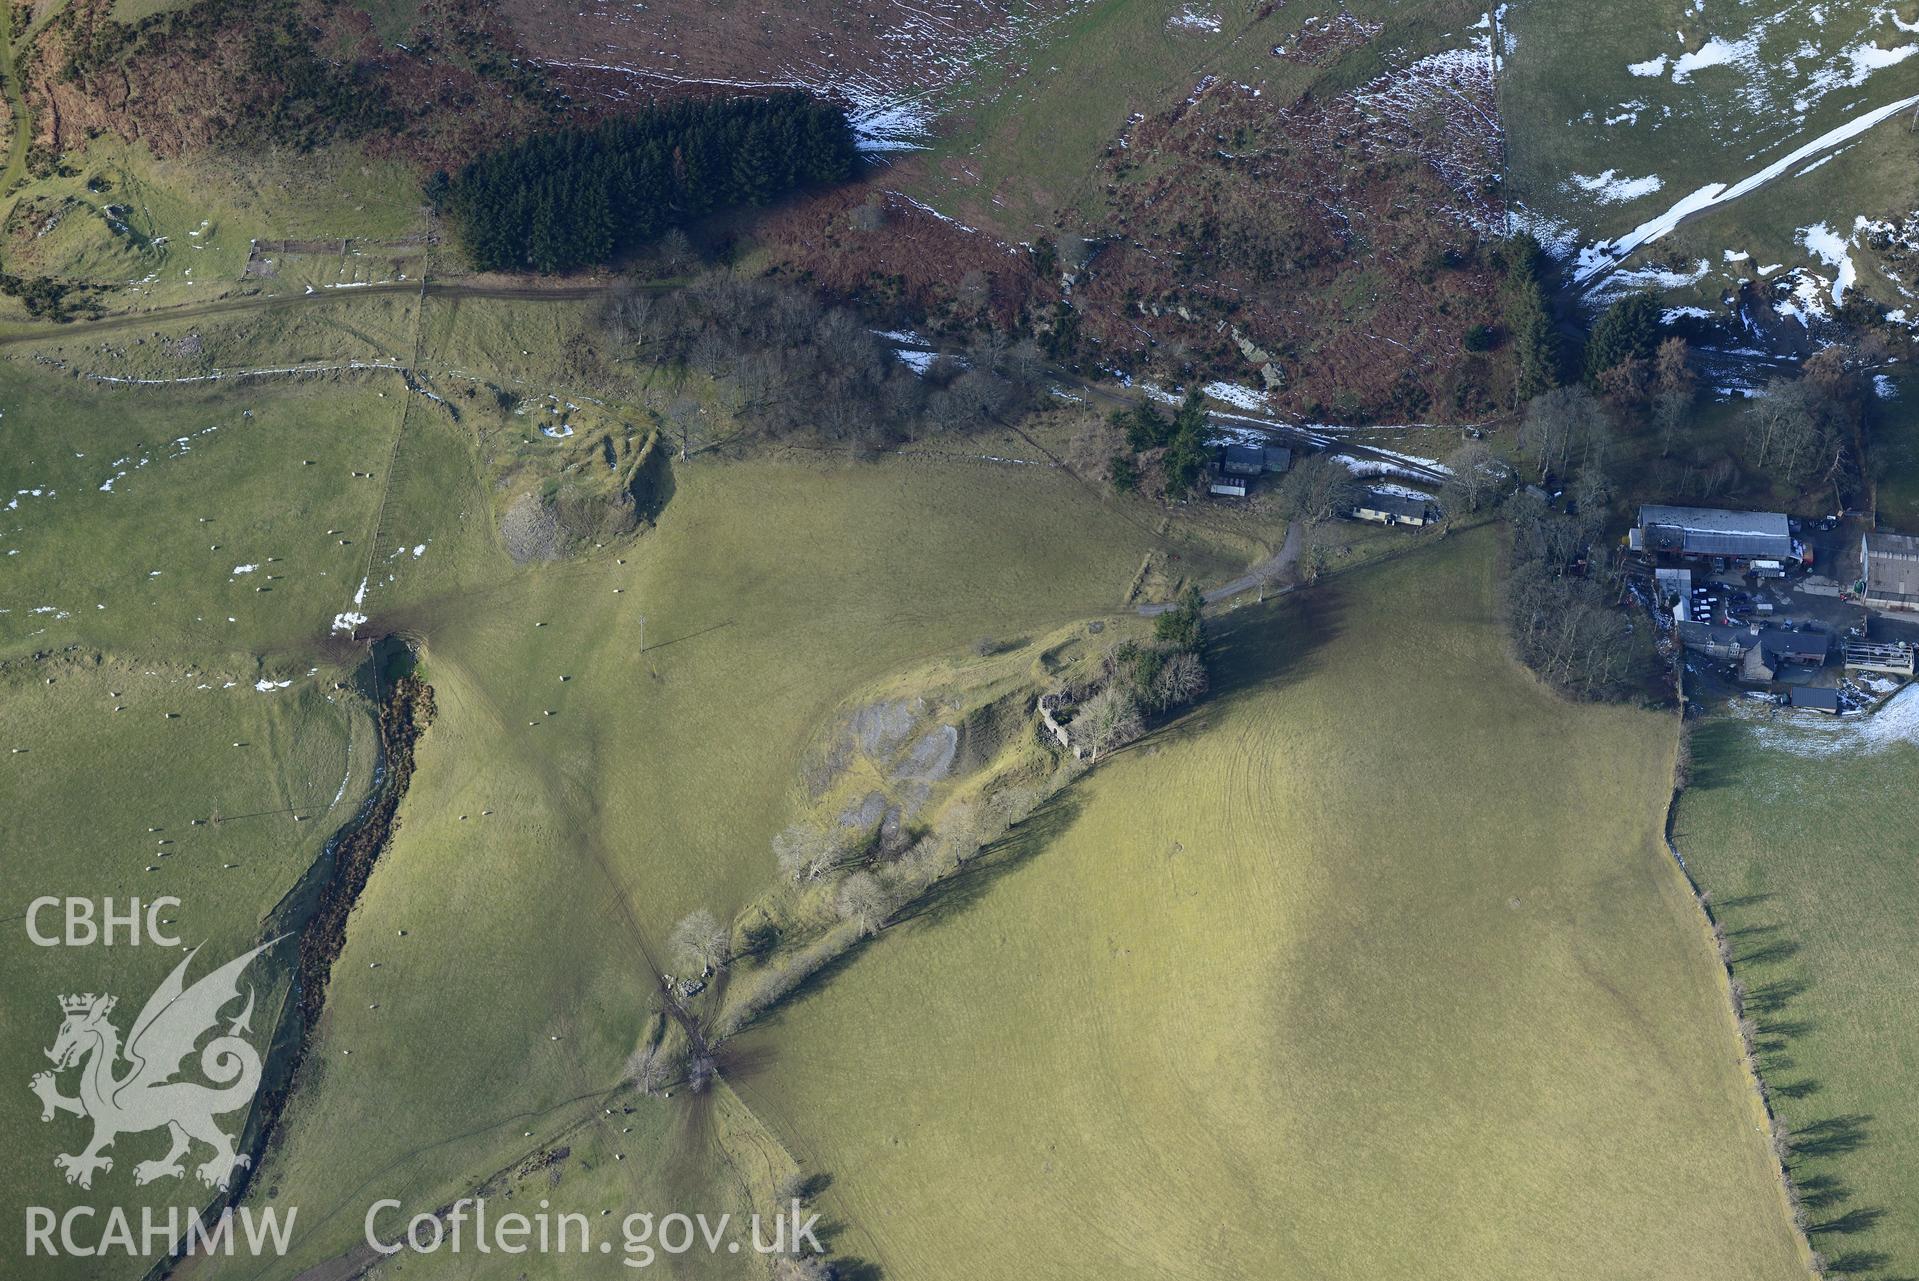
(1890,567)
(1710,531)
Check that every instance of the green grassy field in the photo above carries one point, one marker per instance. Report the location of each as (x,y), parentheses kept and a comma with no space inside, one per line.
(1365,970)
(1272,995)
(115,757)
(668,761)
(1803,836)
(1896,458)
(151,231)
(214,536)
(747,628)
(1672,95)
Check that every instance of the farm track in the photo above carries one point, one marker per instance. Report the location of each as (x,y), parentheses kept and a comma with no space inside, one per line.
(255,302)
(1285,433)
(1279,431)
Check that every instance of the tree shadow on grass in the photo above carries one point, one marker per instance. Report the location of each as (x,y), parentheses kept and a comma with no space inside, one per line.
(1859,1220)
(1834,1136)
(1256,645)
(965,888)
(1774,996)
(1822,1191)
(1737,901)
(1821,1195)
(1767,953)
(1712,766)
(1797,1089)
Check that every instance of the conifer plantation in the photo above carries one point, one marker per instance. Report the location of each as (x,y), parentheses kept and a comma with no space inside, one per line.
(578,197)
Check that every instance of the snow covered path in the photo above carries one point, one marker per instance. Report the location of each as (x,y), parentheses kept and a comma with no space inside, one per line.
(1596,260)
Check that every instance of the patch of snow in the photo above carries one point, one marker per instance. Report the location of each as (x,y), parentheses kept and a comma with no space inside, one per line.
(1884,388)
(1192,18)
(1714,53)
(266,686)
(891,124)
(1609,189)
(1832,249)
(1868,58)
(1816,734)
(1403,491)
(1650,68)
(243,569)
(1235,395)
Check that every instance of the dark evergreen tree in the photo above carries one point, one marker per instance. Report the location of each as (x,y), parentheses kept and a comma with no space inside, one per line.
(1627,330)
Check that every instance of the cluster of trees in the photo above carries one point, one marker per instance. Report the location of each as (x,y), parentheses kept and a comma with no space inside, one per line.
(46,296)
(1812,429)
(1560,602)
(793,368)
(1172,449)
(1801,432)
(1562,599)
(1318,490)
(1625,335)
(1145,679)
(577,197)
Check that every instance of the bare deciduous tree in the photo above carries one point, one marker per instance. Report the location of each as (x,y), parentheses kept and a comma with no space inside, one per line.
(675,251)
(863,901)
(1475,477)
(805,852)
(648,1068)
(1181,680)
(1318,489)
(1564,427)
(1790,429)
(699,939)
(802,1267)
(1109,719)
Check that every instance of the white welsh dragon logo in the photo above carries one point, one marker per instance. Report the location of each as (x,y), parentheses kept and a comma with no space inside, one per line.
(145,1096)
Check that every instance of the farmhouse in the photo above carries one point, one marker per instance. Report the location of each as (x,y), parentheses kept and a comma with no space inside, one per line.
(1890,568)
(1384,507)
(1236,466)
(1775,651)
(1714,642)
(1707,531)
